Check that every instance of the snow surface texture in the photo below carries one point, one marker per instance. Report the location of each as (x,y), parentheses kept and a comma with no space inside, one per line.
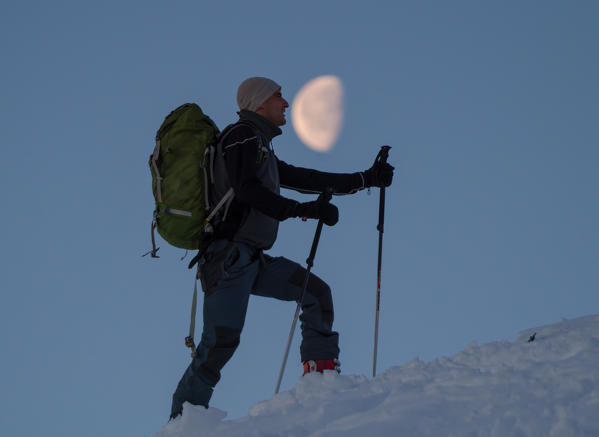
(547,387)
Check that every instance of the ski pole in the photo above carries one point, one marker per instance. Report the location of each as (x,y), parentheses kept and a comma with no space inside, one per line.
(324,197)
(380,158)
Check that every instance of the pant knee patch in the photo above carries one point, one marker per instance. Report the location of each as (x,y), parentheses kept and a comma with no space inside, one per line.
(227,340)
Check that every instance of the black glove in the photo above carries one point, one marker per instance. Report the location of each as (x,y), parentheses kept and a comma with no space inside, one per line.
(327,212)
(379,175)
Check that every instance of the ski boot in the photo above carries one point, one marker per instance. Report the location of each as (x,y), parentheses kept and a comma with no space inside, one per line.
(320,365)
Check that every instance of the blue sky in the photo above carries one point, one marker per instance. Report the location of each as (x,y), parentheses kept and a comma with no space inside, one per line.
(491,110)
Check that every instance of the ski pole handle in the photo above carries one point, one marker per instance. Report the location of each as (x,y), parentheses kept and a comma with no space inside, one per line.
(383,154)
(326,195)
(381,158)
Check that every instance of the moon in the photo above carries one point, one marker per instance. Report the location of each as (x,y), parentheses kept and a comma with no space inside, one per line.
(317,112)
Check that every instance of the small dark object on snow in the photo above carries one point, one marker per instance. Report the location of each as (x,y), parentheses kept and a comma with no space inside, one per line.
(532,338)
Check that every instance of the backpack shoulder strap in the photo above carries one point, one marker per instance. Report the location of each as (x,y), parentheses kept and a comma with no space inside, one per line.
(226,131)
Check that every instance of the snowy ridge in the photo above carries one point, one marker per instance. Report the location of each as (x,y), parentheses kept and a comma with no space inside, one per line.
(547,387)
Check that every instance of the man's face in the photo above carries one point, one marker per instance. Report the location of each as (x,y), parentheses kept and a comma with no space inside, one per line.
(273,109)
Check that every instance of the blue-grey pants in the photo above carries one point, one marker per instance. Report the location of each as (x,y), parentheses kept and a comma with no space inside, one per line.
(230,272)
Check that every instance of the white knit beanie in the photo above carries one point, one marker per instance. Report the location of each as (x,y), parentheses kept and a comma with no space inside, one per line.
(254,91)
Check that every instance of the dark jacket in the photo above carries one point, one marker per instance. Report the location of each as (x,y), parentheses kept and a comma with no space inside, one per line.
(246,161)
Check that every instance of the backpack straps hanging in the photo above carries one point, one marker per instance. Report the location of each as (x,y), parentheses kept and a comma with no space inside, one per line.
(189,341)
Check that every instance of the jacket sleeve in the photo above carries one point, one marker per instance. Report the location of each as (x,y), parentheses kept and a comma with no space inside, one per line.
(240,150)
(313,181)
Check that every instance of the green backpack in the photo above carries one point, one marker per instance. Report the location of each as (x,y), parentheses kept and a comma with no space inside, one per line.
(181,175)
(180,167)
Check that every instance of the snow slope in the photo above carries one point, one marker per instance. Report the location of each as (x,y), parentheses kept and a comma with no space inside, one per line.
(547,387)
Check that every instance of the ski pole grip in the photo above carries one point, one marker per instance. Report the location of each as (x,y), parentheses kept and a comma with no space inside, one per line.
(326,195)
(384,153)
(382,158)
